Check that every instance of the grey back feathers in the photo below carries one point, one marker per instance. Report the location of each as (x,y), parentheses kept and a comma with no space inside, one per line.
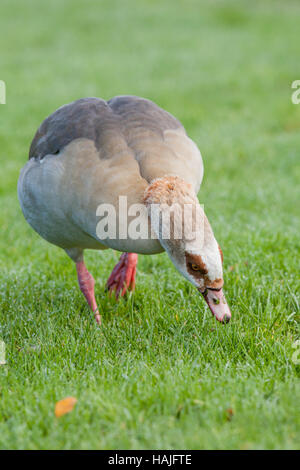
(129,131)
(100,121)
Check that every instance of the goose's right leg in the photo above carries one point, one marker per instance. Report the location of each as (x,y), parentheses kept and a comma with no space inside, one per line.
(86,283)
(85,280)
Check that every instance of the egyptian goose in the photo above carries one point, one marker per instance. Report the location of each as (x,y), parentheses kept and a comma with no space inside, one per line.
(91,153)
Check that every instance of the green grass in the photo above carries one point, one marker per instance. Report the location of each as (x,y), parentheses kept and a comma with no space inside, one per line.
(161,373)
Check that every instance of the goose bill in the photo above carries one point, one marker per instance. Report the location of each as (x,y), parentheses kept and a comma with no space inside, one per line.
(218,306)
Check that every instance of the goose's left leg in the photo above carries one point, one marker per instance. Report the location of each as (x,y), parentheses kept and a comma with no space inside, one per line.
(122,277)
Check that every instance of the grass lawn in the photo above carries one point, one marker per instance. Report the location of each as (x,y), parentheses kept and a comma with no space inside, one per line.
(161,373)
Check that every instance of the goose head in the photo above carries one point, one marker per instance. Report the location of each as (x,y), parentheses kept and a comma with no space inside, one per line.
(183,230)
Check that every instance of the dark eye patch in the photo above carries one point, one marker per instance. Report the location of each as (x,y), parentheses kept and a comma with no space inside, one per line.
(200,269)
(192,259)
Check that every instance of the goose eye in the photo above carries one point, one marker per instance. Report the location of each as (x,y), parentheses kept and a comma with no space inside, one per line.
(195,267)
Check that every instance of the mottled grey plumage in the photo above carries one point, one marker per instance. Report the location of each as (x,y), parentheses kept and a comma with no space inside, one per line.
(91,152)
(113,122)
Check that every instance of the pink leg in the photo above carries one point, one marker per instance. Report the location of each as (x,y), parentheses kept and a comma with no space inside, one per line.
(86,283)
(122,277)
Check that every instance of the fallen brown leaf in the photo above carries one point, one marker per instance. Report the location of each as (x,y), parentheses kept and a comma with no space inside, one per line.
(64,406)
(229,414)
